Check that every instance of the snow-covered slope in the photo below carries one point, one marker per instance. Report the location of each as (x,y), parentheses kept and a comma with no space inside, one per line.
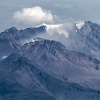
(56,28)
(80,24)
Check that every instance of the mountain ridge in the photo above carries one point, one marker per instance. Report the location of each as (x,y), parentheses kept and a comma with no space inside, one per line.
(87,37)
(26,75)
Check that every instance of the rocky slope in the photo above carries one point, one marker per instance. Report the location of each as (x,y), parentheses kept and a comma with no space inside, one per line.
(46,69)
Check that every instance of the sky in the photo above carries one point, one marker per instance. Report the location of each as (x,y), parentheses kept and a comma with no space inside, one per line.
(27,13)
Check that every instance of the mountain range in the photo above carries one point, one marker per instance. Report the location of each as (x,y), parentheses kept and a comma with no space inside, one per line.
(81,36)
(38,65)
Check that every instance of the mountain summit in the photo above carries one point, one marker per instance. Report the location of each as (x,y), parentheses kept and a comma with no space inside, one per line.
(85,39)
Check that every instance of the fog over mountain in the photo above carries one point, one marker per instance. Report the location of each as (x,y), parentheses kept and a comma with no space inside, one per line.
(81,36)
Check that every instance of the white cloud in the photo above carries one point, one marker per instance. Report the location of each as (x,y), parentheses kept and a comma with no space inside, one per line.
(59,28)
(34,15)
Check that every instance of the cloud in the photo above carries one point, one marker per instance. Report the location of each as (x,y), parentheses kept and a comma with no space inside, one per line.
(59,28)
(58,32)
(34,15)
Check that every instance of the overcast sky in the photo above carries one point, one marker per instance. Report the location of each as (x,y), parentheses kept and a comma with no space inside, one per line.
(26,13)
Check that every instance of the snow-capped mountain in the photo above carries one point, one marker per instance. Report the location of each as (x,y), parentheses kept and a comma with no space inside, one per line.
(80,24)
(89,38)
(35,66)
(46,70)
(83,36)
(55,28)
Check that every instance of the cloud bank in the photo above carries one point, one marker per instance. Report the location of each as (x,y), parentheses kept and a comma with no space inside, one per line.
(34,15)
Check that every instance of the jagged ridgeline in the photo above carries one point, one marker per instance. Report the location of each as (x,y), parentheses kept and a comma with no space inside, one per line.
(34,68)
(81,36)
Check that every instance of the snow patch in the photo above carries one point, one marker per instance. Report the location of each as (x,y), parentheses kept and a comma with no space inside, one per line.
(36,39)
(6,30)
(55,28)
(80,24)
(4,57)
(11,45)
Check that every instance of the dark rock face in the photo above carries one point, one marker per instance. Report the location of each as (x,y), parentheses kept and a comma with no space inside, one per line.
(21,80)
(13,35)
(46,69)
